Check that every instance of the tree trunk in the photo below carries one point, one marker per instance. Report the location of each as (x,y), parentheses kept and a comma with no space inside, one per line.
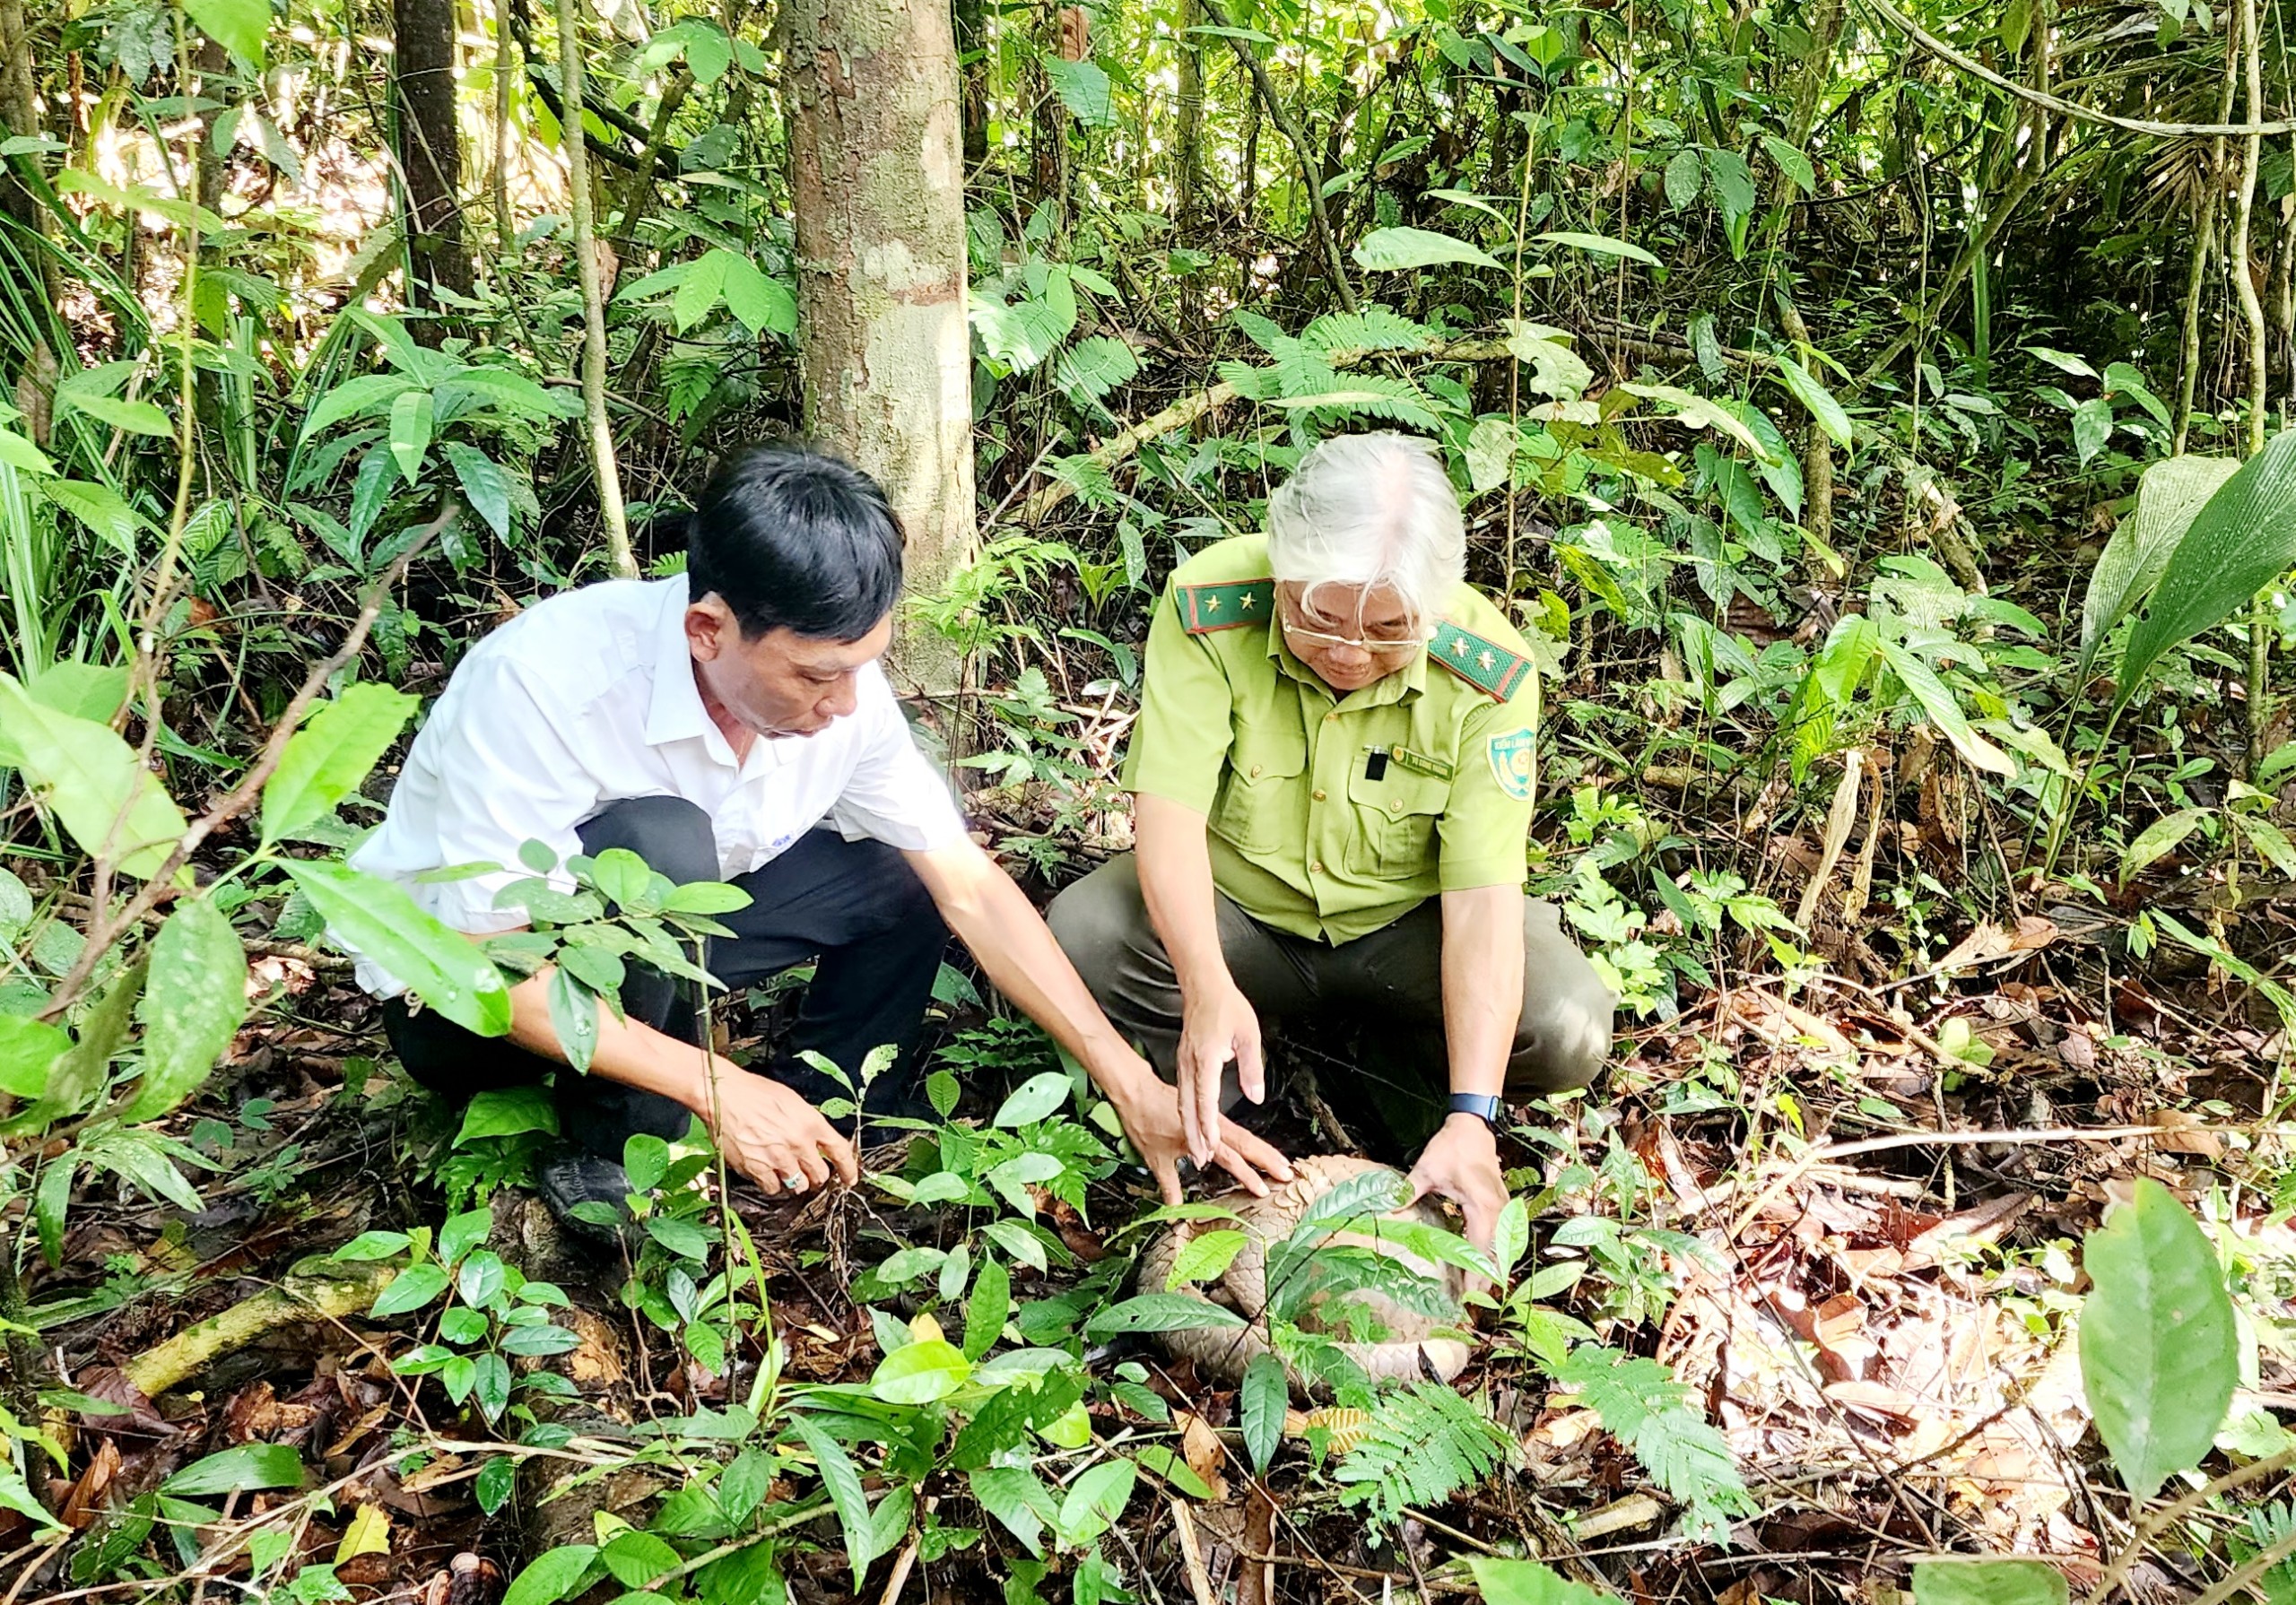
(971,17)
(1188,177)
(19,111)
(884,350)
(429,145)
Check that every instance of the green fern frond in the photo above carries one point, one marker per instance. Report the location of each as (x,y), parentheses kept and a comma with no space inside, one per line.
(1643,1406)
(1371,395)
(1426,1444)
(1372,329)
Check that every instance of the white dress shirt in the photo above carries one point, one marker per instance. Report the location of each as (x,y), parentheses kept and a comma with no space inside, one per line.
(588,699)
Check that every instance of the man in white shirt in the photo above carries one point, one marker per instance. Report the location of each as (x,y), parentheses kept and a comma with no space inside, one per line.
(732,724)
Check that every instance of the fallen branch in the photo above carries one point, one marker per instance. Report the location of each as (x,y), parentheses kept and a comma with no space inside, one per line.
(328,1294)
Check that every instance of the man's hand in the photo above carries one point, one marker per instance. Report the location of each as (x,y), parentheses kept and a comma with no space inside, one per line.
(1151,1113)
(1215,1029)
(775,1137)
(1461,1162)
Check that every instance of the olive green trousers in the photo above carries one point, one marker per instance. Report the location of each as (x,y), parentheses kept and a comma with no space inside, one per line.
(1387,987)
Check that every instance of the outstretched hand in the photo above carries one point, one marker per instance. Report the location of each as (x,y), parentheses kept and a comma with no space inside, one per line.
(1213,1030)
(1461,1162)
(1151,1116)
(774,1137)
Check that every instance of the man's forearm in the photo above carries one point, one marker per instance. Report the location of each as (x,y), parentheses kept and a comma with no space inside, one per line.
(627,1051)
(1482,983)
(1175,866)
(996,921)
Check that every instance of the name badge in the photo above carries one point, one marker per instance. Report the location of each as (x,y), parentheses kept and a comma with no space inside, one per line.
(1419,763)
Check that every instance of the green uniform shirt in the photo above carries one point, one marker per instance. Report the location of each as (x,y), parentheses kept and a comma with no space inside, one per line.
(1333,816)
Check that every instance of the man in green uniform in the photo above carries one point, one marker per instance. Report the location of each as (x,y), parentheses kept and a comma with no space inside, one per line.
(1332,783)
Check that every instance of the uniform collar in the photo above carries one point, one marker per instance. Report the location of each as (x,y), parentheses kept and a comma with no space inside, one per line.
(1403,684)
(674,713)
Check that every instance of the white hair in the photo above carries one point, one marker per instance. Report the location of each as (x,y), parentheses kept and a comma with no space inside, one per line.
(1370,510)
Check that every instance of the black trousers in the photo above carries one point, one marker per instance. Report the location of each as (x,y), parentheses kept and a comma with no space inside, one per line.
(855,906)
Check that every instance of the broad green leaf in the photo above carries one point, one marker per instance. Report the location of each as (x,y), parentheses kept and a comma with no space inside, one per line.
(1016,1496)
(842,1482)
(1083,87)
(635,1557)
(2092,425)
(764,304)
(410,1289)
(574,1010)
(88,776)
(1205,1258)
(375,919)
(920,1373)
(1095,1500)
(1700,413)
(1034,1099)
(1389,250)
(1530,1583)
(2124,380)
(1815,399)
(1160,1312)
(985,1308)
(99,507)
(1600,244)
(140,1157)
(2270,841)
(331,754)
(374,392)
(410,437)
(2160,1354)
(85,691)
(703,288)
(75,1080)
(128,417)
(237,1470)
(1988,1583)
(705,897)
(2158,838)
(2066,360)
(194,1000)
(2242,539)
(21,455)
(1938,702)
(1685,176)
(1262,1396)
(2168,498)
(551,1575)
(1792,163)
(237,25)
(29,1049)
(1734,188)
(16,1495)
(485,486)
(1556,369)
(50,1200)
(507,1112)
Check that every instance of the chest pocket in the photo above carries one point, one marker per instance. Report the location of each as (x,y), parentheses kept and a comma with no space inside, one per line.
(1260,795)
(1394,834)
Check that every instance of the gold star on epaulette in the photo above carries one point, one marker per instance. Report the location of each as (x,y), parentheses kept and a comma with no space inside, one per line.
(1486,665)
(1224,606)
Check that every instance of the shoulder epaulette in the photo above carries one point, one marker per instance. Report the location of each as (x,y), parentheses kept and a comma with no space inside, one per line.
(1484,664)
(1206,608)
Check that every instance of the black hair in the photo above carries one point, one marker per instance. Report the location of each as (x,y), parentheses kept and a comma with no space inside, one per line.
(793,538)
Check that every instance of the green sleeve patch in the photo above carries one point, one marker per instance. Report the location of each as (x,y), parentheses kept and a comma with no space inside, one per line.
(1206,608)
(1484,664)
(1510,761)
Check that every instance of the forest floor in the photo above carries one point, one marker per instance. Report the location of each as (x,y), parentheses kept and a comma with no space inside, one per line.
(1877,1188)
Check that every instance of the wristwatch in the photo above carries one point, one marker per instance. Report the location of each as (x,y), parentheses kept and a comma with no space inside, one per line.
(1483,1105)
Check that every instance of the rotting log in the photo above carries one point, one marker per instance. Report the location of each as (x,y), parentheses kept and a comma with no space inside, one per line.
(317,1289)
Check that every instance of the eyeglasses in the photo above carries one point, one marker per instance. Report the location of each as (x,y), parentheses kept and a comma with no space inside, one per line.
(1372,643)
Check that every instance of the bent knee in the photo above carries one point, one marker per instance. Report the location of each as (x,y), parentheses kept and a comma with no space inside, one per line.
(673,835)
(1563,1038)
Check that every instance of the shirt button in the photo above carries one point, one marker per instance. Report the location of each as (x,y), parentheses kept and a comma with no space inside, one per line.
(1395,806)
(1316,868)
(1319,796)
(1331,718)
(1255,768)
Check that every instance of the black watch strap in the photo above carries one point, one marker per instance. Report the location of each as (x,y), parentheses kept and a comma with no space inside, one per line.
(1484,1105)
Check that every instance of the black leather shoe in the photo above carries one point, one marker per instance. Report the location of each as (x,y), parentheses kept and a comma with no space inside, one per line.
(585,1195)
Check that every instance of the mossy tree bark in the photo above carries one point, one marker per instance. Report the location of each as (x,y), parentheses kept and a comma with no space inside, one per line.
(880,286)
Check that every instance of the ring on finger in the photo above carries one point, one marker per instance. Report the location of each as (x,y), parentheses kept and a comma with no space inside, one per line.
(793,1184)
